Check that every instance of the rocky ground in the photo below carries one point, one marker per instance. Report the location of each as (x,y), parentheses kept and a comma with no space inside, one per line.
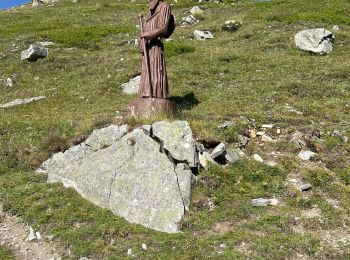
(23,242)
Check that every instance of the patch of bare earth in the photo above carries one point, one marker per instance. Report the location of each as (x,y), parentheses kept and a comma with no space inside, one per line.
(14,235)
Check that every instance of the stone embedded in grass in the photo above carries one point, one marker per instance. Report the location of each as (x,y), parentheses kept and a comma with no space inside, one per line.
(218,150)
(34,52)
(31,236)
(266,138)
(132,87)
(264,202)
(317,40)
(267,126)
(257,158)
(231,26)
(202,35)
(297,140)
(242,141)
(18,102)
(144,247)
(196,10)
(188,20)
(306,155)
(145,179)
(232,155)
(225,125)
(305,187)
(8,83)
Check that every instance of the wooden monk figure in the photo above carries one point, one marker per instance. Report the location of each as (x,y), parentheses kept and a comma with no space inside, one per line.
(158,24)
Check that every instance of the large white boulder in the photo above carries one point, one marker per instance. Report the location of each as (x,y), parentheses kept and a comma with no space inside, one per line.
(134,174)
(315,40)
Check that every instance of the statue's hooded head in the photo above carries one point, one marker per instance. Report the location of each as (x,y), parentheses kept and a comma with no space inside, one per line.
(152,4)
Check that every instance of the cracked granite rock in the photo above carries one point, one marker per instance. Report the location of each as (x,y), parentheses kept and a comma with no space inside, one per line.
(317,40)
(133,174)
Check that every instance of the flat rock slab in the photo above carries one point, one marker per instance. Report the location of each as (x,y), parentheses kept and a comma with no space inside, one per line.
(18,102)
(317,40)
(130,174)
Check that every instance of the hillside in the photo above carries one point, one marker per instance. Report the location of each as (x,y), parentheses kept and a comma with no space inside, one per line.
(253,76)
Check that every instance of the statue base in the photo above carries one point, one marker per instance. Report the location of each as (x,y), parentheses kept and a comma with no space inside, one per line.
(149,107)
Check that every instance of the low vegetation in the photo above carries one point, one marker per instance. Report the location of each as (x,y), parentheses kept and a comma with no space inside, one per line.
(252,76)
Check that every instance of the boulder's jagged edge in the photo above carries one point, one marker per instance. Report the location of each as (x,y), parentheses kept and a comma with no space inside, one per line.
(132,174)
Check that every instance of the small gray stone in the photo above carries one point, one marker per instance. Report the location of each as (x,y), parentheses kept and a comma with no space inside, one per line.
(34,52)
(144,247)
(305,187)
(257,158)
(231,26)
(203,161)
(315,40)
(196,10)
(31,235)
(264,202)
(188,20)
(8,83)
(132,87)
(336,28)
(297,140)
(225,125)
(232,155)
(218,150)
(202,35)
(242,141)
(266,138)
(306,155)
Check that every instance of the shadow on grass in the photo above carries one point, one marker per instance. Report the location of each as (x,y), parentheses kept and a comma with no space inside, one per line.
(185,102)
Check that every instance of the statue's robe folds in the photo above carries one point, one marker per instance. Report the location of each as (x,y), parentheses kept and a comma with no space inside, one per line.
(157,86)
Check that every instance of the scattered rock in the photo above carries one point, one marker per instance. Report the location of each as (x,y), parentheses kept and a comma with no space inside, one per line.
(145,179)
(267,126)
(218,150)
(242,141)
(264,202)
(34,52)
(8,83)
(31,235)
(260,133)
(44,44)
(231,26)
(297,140)
(306,155)
(188,20)
(271,163)
(336,28)
(132,87)
(315,40)
(305,187)
(252,133)
(202,35)
(203,162)
(225,125)
(257,158)
(232,155)
(18,102)
(129,253)
(196,10)
(144,247)
(266,138)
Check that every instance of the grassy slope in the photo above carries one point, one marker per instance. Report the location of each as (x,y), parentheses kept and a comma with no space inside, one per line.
(252,72)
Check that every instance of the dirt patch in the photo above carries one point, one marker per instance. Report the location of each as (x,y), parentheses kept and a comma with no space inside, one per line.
(14,235)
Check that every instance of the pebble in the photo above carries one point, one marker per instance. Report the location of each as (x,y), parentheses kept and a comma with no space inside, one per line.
(8,83)
(144,247)
(129,253)
(305,187)
(266,138)
(260,133)
(225,125)
(257,158)
(203,161)
(264,202)
(306,155)
(268,126)
(31,236)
